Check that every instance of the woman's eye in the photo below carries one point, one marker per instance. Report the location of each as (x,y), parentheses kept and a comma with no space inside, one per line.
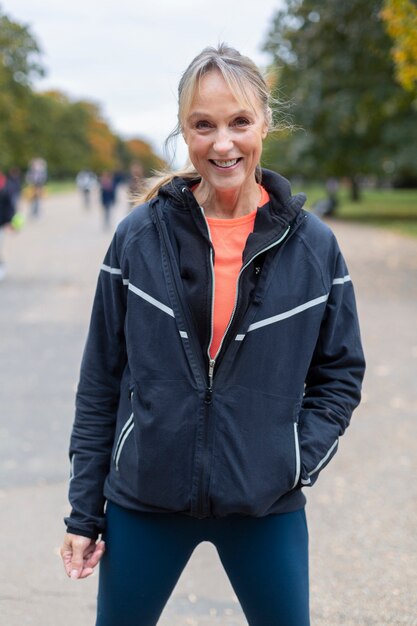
(241,121)
(202,125)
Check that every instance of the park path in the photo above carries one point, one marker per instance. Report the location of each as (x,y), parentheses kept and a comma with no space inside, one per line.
(362,512)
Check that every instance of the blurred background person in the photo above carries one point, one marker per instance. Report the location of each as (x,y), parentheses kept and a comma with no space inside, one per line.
(107,196)
(36,178)
(86,181)
(6,216)
(119,177)
(14,186)
(326,207)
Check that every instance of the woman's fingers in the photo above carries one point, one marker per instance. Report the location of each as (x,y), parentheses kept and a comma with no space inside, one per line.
(95,555)
(80,555)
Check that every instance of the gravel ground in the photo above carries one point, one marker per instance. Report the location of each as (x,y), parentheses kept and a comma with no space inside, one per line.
(362,512)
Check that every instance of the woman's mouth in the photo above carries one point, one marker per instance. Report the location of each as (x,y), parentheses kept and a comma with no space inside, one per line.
(225,164)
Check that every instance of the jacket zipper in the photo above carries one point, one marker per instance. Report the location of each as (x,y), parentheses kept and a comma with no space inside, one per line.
(207,398)
(242,269)
(209,390)
(212,361)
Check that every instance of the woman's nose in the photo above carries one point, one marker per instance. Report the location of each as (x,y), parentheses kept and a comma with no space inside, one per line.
(223,142)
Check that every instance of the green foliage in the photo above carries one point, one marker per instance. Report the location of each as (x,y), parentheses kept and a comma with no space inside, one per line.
(69,135)
(334,66)
(19,52)
(19,64)
(395,209)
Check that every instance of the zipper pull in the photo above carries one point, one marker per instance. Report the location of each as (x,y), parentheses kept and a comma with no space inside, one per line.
(212,363)
(209,389)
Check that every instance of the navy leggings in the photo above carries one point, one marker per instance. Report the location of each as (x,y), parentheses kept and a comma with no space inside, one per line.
(266,560)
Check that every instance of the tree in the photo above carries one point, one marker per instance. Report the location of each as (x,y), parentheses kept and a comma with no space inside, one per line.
(141,151)
(400,17)
(333,64)
(69,135)
(57,129)
(101,139)
(19,52)
(19,65)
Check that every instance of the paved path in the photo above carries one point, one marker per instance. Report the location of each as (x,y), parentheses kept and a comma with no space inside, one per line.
(362,512)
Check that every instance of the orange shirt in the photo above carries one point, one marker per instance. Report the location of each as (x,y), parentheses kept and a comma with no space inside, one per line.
(229,239)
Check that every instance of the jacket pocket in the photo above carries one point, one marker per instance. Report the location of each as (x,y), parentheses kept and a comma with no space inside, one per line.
(162,454)
(256,458)
(123,436)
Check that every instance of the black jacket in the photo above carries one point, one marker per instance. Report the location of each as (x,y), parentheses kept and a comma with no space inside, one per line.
(161,427)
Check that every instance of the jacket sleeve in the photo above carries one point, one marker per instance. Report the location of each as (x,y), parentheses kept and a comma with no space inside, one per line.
(97,399)
(333,383)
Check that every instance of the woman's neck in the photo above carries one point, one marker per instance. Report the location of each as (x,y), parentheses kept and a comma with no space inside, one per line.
(227,204)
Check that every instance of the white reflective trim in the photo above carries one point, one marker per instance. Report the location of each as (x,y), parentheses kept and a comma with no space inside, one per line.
(111,270)
(151,300)
(306,481)
(324,459)
(239,337)
(122,443)
(122,432)
(341,281)
(72,468)
(290,313)
(115,271)
(183,334)
(297,456)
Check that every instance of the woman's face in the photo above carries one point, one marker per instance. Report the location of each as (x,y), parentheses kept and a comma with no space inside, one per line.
(224,138)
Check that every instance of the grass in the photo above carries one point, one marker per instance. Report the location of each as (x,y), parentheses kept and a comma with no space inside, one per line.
(60,186)
(53,187)
(395,209)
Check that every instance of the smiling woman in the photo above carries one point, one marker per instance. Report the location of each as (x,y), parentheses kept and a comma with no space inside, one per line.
(225,145)
(222,365)
(220,73)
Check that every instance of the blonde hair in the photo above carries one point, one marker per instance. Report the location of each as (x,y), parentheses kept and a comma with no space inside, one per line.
(238,72)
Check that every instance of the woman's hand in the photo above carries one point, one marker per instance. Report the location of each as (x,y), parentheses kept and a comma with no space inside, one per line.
(80,555)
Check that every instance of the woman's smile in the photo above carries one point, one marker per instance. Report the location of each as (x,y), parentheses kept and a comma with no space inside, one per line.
(225,165)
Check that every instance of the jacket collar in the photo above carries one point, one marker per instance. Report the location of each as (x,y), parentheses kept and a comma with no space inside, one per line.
(272,220)
(283,206)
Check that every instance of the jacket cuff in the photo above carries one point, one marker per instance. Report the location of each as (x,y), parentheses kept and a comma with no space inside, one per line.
(91,533)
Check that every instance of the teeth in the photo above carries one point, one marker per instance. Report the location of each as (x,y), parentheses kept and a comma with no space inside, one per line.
(225,163)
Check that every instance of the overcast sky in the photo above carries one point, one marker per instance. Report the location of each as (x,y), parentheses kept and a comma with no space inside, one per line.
(128,55)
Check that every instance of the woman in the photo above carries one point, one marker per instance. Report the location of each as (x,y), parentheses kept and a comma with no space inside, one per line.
(222,364)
